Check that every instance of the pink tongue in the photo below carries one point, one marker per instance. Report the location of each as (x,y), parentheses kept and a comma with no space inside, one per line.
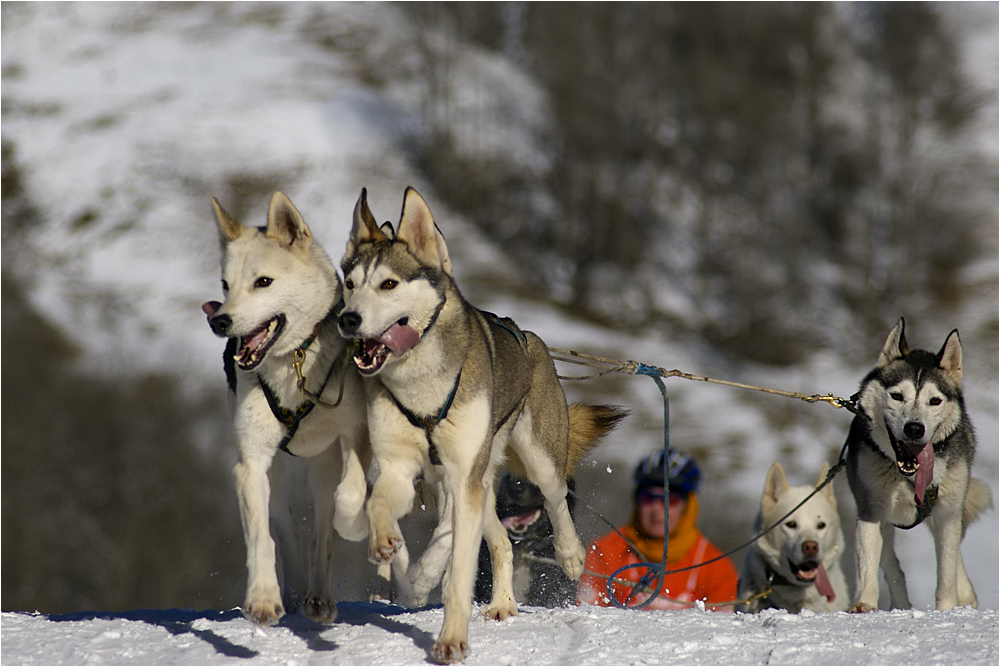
(925,473)
(823,584)
(520,520)
(399,339)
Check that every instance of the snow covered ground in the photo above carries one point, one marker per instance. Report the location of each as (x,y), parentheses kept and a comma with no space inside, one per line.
(379,634)
(126,118)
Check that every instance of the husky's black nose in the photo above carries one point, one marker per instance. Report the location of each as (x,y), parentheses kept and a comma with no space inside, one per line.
(913,430)
(221,324)
(349,322)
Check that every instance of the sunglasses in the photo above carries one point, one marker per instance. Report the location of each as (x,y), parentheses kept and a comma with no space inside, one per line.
(656,494)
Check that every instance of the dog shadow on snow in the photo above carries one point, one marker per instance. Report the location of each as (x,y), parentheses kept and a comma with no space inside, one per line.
(180,622)
(176,622)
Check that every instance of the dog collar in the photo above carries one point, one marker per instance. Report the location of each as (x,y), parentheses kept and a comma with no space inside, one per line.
(775,579)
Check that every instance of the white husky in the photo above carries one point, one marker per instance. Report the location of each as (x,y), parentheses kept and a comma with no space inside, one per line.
(800,559)
(287,367)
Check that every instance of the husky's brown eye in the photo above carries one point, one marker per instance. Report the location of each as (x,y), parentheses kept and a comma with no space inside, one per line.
(791,524)
(348,284)
(935,401)
(263,281)
(389,283)
(896,396)
(821,525)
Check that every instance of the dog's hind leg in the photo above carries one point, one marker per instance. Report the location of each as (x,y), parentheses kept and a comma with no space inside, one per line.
(323,472)
(966,594)
(894,577)
(542,471)
(502,557)
(429,570)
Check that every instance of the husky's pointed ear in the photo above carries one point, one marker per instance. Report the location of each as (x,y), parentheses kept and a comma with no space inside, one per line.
(285,224)
(774,485)
(418,231)
(950,356)
(828,489)
(895,345)
(229,227)
(364,228)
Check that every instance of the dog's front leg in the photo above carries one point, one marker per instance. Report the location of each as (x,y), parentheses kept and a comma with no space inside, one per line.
(868,548)
(349,517)
(946,526)
(263,601)
(468,491)
(894,577)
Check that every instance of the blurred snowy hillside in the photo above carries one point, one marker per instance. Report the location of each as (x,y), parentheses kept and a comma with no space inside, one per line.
(754,194)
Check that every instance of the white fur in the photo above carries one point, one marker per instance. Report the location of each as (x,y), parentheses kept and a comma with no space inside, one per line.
(816,522)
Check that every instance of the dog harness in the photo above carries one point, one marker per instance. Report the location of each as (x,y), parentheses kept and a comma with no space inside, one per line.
(428,423)
(290,418)
(924,508)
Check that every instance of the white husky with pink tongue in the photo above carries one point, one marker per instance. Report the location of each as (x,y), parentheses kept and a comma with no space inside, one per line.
(796,565)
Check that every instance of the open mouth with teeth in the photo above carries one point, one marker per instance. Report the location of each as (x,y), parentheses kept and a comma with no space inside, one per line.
(398,339)
(907,465)
(519,525)
(254,346)
(805,571)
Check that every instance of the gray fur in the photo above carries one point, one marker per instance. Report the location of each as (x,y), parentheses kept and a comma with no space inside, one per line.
(506,409)
(913,397)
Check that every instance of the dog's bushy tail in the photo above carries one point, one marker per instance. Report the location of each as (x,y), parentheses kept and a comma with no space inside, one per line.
(587,425)
(978,499)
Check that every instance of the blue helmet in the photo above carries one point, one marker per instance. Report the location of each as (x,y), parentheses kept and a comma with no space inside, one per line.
(683,472)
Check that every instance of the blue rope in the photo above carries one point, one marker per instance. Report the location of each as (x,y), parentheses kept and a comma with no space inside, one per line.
(656,573)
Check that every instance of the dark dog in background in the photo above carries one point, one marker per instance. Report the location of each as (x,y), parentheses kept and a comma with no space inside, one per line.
(520,508)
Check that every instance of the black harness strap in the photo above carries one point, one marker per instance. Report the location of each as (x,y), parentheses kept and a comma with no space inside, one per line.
(428,423)
(288,417)
(924,508)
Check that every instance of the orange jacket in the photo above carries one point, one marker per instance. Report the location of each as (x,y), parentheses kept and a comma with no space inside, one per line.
(715,582)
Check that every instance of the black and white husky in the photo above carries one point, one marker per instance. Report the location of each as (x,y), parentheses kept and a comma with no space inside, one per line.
(909,457)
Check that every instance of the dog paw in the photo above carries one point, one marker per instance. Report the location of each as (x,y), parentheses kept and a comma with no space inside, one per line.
(319,610)
(860,608)
(447,653)
(571,560)
(501,611)
(381,548)
(263,612)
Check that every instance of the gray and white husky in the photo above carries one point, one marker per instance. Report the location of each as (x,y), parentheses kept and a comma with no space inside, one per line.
(908,461)
(800,559)
(456,393)
(287,365)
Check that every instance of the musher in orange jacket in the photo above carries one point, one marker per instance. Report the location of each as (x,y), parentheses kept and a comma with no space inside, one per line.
(715,582)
